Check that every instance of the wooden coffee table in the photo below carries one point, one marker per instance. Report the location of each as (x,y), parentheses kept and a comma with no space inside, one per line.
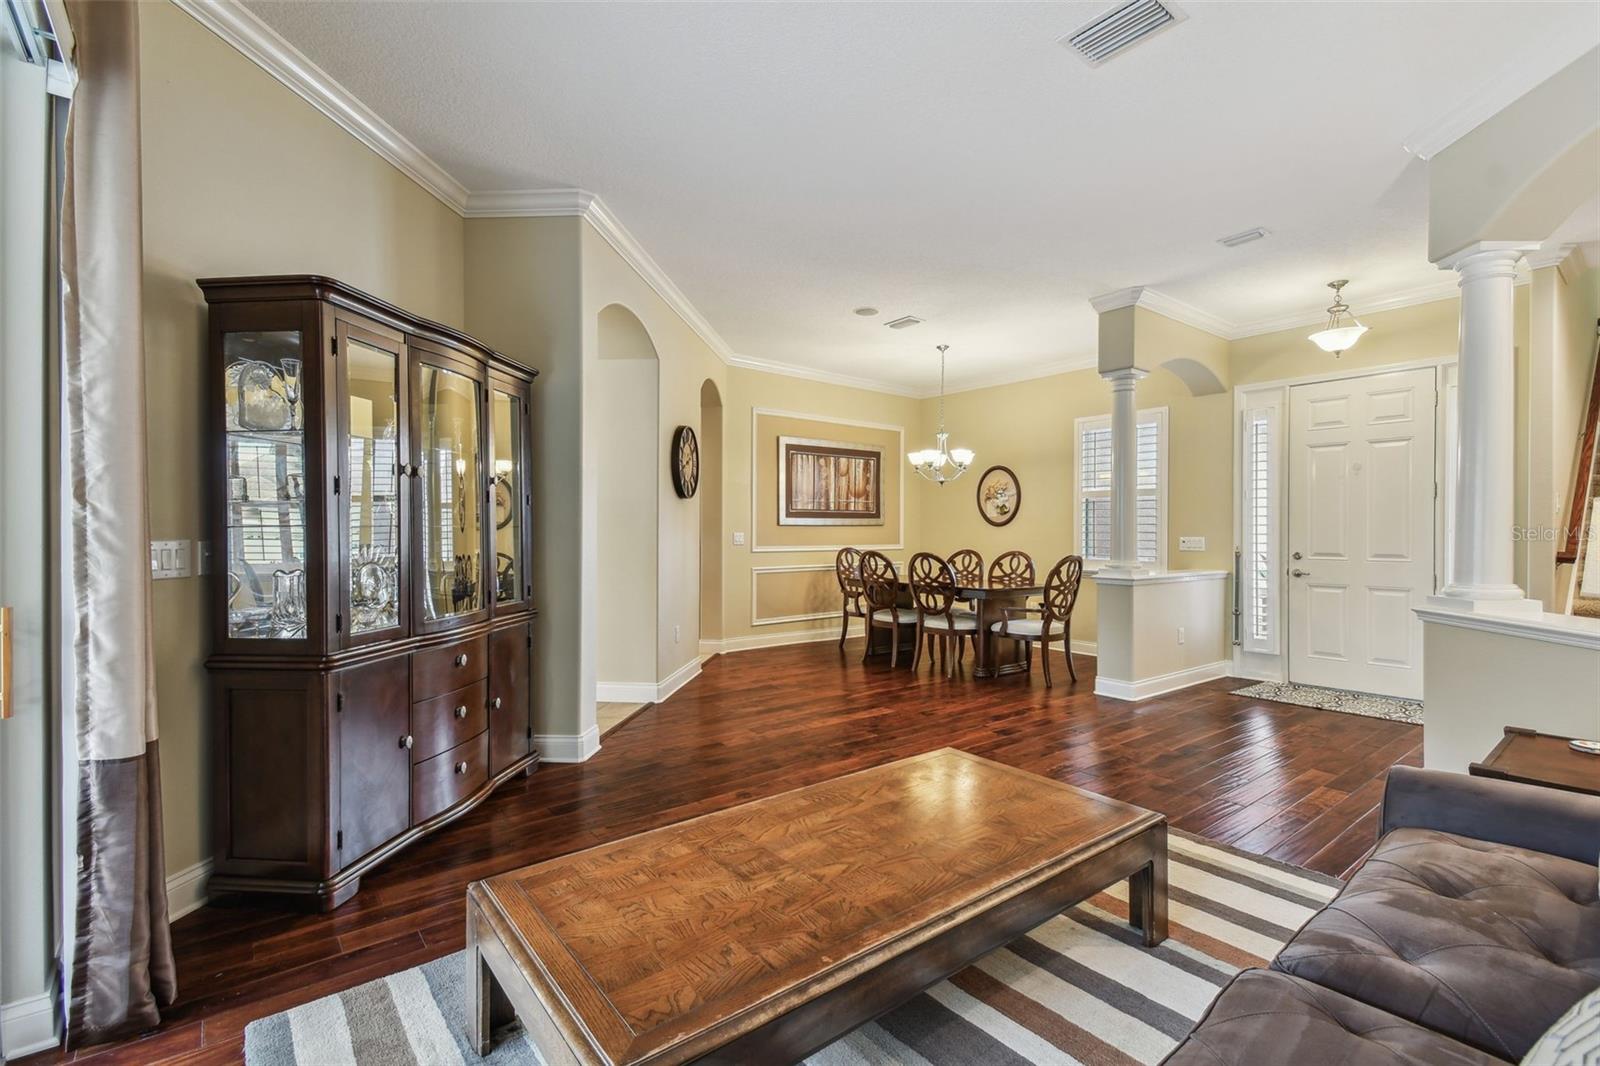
(1535,758)
(763,932)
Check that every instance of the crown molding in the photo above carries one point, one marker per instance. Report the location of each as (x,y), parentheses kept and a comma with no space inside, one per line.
(528,203)
(827,377)
(262,44)
(1553,256)
(1167,306)
(1520,76)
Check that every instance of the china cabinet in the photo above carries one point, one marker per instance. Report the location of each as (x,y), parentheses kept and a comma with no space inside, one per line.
(372,663)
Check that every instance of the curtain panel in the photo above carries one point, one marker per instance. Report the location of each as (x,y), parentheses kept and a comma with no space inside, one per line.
(123,972)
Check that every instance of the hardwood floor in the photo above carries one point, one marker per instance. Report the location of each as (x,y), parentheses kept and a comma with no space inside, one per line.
(1292,783)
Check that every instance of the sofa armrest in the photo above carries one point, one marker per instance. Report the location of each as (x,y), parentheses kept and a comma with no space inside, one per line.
(1550,820)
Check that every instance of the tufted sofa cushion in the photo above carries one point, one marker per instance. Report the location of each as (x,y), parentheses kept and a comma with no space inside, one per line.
(1268,1017)
(1483,942)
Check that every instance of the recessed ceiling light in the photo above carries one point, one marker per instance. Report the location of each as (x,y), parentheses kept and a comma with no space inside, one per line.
(1233,240)
(866,312)
(903,321)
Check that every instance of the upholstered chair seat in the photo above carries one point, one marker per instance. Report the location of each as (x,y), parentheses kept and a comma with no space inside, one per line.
(1027,627)
(905,616)
(959,622)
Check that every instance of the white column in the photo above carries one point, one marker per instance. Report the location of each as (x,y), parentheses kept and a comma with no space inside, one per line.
(1482,568)
(1124,469)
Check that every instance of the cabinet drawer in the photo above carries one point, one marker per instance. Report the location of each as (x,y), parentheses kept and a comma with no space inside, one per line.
(445,780)
(443,722)
(445,669)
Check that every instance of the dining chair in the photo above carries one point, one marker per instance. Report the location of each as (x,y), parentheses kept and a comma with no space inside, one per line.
(933,590)
(881,587)
(1011,570)
(847,568)
(1055,613)
(967,565)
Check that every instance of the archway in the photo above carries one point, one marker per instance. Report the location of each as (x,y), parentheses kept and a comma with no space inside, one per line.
(710,516)
(627,460)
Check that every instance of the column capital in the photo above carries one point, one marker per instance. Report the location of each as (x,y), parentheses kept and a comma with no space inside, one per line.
(1124,378)
(1486,258)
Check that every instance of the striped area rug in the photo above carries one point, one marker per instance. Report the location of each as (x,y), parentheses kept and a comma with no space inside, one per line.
(1077,989)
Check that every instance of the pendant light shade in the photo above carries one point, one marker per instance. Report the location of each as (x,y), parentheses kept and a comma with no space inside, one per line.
(1340,335)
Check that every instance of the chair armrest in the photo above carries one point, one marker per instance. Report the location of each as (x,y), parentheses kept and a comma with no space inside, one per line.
(1550,820)
(1009,611)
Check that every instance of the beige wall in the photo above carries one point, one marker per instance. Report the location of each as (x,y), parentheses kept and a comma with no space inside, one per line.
(241,176)
(768,533)
(747,390)
(712,534)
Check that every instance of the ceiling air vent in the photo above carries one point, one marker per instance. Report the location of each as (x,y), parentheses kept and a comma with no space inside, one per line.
(1233,240)
(903,321)
(1120,29)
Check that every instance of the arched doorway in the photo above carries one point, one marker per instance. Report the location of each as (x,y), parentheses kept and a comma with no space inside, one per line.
(627,461)
(710,517)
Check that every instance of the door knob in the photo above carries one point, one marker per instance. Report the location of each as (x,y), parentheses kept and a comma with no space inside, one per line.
(406,742)
(1297,572)
(461,711)
(1297,556)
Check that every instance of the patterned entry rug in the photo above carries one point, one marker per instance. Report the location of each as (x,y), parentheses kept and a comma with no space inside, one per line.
(1077,989)
(1336,699)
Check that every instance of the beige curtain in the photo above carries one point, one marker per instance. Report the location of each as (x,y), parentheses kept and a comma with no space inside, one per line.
(122,963)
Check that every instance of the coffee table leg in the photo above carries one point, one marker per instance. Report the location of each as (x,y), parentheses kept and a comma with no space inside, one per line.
(1147,891)
(487,1006)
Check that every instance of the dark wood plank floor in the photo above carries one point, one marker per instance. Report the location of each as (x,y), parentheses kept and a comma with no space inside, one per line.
(1297,784)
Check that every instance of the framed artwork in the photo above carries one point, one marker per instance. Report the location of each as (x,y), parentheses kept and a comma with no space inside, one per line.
(999,495)
(829,483)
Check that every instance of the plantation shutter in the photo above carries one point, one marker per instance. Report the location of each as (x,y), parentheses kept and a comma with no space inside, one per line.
(1259,530)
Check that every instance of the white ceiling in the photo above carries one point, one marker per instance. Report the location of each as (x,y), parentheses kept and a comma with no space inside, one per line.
(785,163)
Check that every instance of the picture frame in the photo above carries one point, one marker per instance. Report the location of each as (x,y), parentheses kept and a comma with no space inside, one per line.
(829,483)
(999,495)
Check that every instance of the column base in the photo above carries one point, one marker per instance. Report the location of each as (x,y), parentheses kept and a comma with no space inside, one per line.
(1485,599)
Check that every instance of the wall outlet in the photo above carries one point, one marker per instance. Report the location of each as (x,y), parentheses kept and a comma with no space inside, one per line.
(677,634)
(1191,544)
(169,558)
(738,540)
(1180,634)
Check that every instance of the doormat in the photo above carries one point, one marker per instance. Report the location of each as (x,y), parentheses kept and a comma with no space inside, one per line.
(1336,699)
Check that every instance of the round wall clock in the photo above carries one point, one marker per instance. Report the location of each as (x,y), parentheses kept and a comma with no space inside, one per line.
(999,495)
(685,462)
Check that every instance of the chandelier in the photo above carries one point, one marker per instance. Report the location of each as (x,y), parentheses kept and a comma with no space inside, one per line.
(1338,336)
(941,463)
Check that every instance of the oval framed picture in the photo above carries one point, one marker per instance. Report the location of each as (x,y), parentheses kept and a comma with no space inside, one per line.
(685,462)
(999,495)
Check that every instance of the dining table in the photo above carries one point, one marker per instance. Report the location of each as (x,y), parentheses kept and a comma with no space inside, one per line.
(990,602)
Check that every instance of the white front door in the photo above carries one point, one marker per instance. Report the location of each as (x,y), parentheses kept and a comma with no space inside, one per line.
(1361,539)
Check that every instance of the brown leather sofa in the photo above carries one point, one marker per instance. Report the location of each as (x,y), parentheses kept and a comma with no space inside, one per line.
(1469,930)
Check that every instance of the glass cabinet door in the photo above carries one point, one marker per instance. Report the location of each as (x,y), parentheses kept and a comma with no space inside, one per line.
(372,451)
(265,457)
(451,484)
(507,422)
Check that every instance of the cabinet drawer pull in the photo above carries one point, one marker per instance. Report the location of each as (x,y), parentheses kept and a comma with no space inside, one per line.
(461,767)
(406,741)
(495,703)
(461,660)
(461,711)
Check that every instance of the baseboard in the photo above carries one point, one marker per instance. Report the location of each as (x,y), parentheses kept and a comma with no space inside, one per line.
(624,692)
(1161,684)
(569,747)
(779,640)
(1085,647)
(29,1025)
(644,691)
(186,890)
(677,679)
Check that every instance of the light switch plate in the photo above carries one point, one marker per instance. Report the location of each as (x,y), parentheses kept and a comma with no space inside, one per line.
(1191,544)
(169,558)
(738,540)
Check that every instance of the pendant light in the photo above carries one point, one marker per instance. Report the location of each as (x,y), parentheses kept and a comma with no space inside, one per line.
(941,463)
(1339,336)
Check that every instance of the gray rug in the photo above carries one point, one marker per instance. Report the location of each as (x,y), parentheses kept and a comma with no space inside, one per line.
(1078,989)
(1334,699)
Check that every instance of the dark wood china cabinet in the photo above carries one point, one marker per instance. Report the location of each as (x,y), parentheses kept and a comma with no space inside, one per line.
(372,661)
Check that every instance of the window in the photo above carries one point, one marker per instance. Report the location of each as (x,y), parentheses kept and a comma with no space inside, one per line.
(1093,499)
(1258,568)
